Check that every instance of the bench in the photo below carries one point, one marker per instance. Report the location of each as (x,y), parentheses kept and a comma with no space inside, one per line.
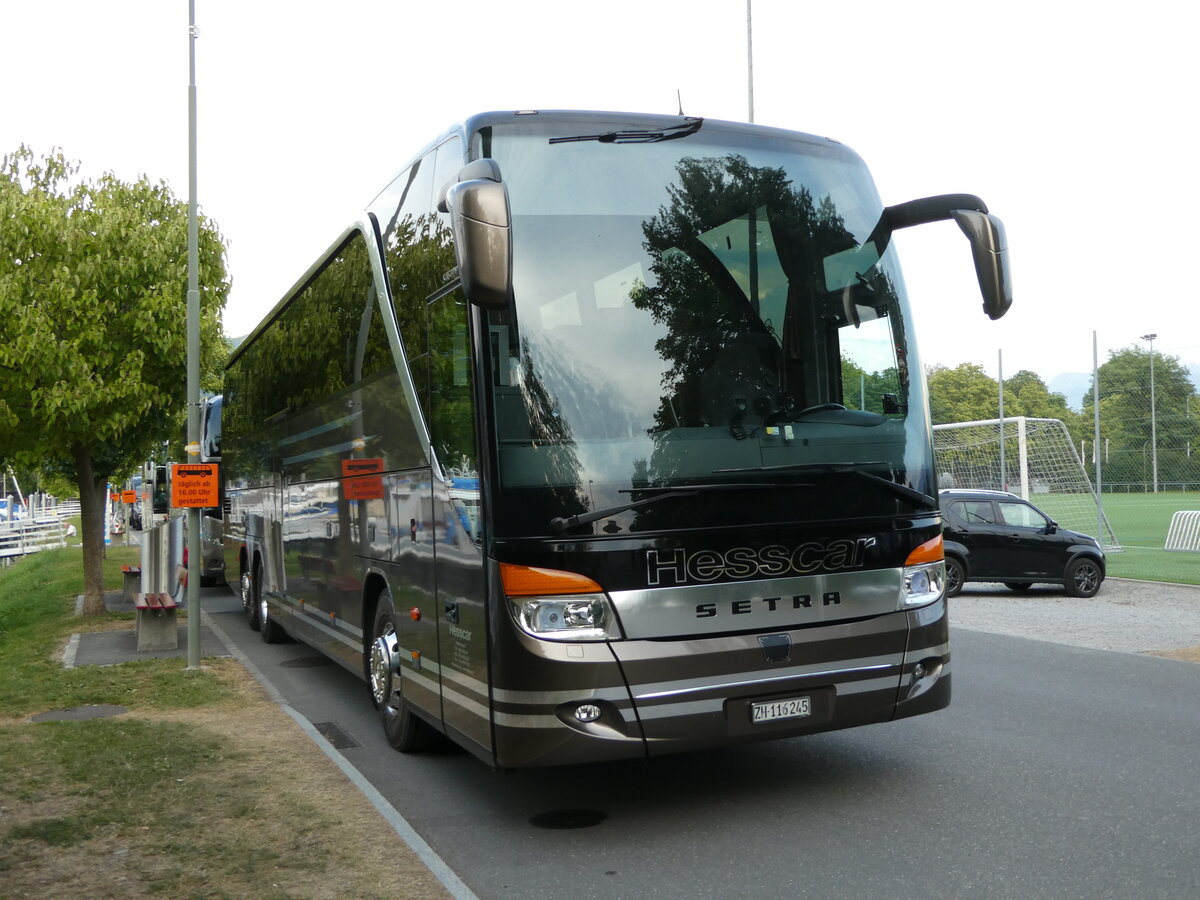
(156,629)
(133,581)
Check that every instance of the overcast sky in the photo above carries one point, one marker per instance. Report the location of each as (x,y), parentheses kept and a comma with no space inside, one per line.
(1074,121)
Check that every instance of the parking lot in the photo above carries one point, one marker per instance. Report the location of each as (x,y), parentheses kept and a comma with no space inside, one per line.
(1129,616)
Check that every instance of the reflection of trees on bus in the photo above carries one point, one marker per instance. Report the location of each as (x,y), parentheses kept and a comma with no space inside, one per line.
(751,330)
(328,339)
(738,256)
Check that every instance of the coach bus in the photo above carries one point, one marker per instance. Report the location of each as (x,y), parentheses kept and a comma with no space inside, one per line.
(603,436)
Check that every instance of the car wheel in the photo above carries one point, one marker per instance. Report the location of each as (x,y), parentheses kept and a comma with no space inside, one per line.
(1019,586)
(956,574)
(249,600)
(404,731)
(1083,578)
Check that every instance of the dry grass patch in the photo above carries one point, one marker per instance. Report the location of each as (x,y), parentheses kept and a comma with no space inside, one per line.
(230,799)
(1187,654)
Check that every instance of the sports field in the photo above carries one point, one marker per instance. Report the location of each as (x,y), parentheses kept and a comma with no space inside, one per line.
(1140,523)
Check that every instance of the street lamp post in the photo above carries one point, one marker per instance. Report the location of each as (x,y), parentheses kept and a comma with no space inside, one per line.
(1153,422)
(750,61)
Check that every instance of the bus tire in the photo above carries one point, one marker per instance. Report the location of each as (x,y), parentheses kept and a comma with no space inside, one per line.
(249,591)
(404,731)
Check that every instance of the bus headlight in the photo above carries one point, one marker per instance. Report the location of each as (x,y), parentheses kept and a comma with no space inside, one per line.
(585,617)
(924,574)
(924,583)
(558,606)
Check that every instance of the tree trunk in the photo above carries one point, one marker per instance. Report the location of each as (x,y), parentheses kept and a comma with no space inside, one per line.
(91,508)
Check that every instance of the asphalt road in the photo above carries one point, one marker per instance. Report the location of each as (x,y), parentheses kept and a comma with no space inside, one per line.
(1059,770)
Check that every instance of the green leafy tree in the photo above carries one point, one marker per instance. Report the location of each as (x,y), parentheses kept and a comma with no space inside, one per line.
(1025,394)
(965,393)
(93,278)
(1125,420)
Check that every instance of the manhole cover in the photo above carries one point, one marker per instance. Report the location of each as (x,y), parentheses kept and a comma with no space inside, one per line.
(569,818)
(306,662)
(80,713)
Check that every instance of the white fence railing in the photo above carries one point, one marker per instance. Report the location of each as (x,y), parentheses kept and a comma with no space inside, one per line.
(22,537)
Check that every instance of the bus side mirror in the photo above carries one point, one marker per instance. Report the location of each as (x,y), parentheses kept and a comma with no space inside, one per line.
(989,247)
(480,219)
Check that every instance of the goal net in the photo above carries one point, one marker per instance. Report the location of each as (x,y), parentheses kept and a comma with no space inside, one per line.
(1036,460)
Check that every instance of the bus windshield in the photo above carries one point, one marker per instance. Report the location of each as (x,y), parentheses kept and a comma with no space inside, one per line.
(696,318)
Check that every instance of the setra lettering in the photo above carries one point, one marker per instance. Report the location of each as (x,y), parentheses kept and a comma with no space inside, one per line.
(747,606)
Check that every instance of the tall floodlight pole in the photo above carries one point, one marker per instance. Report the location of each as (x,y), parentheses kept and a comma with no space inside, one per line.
(750,60)
(1153,422)
(193,355)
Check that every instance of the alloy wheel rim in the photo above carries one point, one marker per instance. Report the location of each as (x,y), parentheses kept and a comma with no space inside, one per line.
(1085,578)
(381,669)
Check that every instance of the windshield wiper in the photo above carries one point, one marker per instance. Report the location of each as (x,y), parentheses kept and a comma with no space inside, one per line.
(674,132)
(560,524)
(857,469)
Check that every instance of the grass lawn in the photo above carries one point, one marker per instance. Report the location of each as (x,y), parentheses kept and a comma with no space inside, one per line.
(203,789)
(1140,522)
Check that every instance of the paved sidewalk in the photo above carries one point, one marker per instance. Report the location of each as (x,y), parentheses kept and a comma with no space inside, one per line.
(107,648)
(1128,616)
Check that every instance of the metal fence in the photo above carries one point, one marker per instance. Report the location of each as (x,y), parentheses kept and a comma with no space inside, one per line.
(162,558)
(29,536)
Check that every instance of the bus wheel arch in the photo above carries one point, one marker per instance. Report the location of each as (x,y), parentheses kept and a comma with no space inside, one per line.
(374,587)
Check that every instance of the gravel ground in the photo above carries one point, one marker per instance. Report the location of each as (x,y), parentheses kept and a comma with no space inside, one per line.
(1127,616)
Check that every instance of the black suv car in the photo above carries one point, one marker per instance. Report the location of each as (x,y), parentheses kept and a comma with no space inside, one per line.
(997,536)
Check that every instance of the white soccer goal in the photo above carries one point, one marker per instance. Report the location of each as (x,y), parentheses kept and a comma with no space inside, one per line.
(1040,464)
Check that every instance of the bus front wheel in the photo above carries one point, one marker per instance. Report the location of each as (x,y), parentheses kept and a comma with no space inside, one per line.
(403,730)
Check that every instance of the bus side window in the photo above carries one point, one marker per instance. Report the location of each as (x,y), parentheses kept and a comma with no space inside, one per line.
(404,221)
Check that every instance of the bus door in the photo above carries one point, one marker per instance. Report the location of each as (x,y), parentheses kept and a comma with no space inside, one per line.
(462,626)
(414,596)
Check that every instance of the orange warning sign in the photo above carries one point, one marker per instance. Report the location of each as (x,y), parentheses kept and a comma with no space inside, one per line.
(362,479)
(129,496)
(194,485)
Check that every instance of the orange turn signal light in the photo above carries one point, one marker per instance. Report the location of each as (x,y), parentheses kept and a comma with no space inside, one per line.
(931,551)
(528,581)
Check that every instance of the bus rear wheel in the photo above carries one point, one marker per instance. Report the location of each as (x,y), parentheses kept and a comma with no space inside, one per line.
(404,731)
(250,599)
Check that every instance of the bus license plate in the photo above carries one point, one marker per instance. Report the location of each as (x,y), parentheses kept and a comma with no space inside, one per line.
(774,710)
